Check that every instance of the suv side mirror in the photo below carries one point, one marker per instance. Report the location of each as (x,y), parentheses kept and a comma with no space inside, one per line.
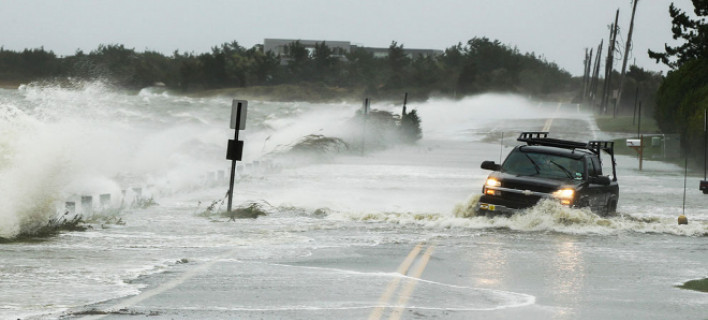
(603,180)
(490,165)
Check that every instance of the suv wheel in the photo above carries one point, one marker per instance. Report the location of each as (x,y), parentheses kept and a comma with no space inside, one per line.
(611,207)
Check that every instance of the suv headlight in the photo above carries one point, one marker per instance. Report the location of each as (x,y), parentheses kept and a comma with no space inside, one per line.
(491,183)
(565,196)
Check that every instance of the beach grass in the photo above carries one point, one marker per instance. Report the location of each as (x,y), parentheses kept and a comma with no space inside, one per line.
(627,124)
(696,285)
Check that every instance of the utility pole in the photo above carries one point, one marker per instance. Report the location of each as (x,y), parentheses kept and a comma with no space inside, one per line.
(586,72)
(636,98)
(595,74)
(589,71)
(405,100)
(705,143)
(608,64)
(627,48)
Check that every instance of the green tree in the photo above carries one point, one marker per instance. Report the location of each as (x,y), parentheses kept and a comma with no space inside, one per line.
(265,68)
(153,67)
(681,99)
(644,82)
(362,68)
(426,72)
(693,32)
(114,63)
(214,68)
(189,70)
(410,127)
(683,95)
(298,61)
(397,64)
(324,64)
(237,64)
(477,66)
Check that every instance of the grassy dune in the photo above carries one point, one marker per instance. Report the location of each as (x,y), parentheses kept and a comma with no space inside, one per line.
(624,124)
(697,285)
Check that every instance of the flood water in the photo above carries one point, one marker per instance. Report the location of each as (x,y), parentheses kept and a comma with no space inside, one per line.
(339,221)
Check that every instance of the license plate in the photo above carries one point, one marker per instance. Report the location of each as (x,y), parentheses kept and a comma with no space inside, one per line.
(492,207)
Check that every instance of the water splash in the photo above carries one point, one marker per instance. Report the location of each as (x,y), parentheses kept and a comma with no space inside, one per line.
(547,216)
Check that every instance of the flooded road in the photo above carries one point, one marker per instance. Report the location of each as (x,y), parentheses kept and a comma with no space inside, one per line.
(387,234)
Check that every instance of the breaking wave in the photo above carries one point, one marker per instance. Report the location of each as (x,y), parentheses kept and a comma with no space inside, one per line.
(62,141)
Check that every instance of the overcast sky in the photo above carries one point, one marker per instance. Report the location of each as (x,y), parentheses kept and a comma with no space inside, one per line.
(559,30)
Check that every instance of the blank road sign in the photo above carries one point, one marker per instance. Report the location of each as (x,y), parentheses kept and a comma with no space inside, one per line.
(236,107)
(234,150)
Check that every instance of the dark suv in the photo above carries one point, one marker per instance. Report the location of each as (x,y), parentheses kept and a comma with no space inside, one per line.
(568,171)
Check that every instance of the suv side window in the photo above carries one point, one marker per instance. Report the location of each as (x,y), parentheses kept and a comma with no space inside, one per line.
(595,167)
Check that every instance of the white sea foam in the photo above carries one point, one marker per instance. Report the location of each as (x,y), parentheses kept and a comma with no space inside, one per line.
(547,216)
(58,142)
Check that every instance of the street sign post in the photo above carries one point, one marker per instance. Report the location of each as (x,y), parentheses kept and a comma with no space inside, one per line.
(234,149)
(704,183)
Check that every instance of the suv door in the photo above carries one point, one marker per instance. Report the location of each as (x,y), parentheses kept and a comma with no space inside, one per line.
(599,193)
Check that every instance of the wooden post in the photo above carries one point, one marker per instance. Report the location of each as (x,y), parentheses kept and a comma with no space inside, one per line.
(627,48)
(641,151)
(705,142)
(608,64)
(703,185)
(596,74)
(636,98)
(639,119)
(586,75)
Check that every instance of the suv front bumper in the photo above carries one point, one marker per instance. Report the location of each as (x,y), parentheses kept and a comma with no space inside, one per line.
(488,209)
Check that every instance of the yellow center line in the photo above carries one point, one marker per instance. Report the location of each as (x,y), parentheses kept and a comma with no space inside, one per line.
(386,296)
(410,286)
(547,126)
(549,121)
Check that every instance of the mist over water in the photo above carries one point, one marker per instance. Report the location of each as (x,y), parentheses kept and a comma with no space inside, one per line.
(59,143)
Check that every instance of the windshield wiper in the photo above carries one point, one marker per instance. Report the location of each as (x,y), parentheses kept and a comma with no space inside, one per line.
(566,171)
(535,165)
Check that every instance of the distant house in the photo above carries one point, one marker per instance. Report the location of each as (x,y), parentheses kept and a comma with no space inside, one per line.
(339,48)
(410,53)
(279,47)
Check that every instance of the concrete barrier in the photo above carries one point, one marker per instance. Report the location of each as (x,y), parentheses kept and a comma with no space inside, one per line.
(87,205)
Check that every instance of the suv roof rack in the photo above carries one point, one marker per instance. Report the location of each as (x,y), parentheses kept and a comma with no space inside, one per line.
(540,138)
(597,146)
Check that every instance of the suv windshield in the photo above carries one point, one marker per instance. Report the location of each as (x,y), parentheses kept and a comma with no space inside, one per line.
(543,165)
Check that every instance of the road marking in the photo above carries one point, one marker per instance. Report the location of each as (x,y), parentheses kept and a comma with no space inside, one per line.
(407,290)
(549,121)
(410,286)
(386,296)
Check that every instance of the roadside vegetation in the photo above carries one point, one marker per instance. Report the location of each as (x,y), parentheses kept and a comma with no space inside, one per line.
(682,97)
(479,65)
(697,285)
(627,124)
(51,228)
(671,104)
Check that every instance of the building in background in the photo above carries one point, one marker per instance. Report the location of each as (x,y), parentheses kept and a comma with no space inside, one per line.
(339,48)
